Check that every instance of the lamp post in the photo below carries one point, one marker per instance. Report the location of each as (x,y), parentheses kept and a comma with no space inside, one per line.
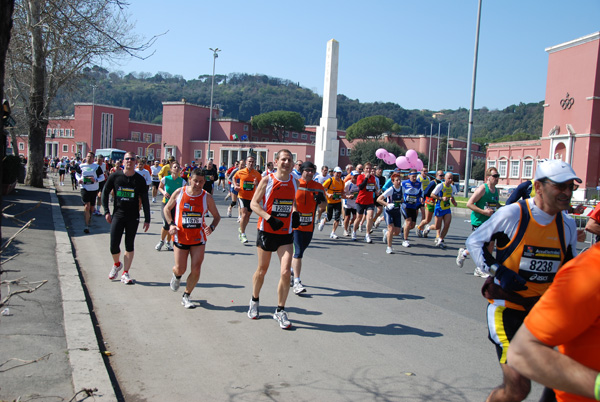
(212,88)
(93,105)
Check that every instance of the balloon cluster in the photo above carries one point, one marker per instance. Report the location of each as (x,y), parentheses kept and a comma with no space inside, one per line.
(410,161)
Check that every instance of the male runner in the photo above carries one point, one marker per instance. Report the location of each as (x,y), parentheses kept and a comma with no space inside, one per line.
(444,194)
(534,238)
(129,189)
(392,198)
(274,201)
(423,229)
(334,191)
(154,170)
(87,177)
(365,201)
(413,197)
(351,191)
(309,195)
(245,181)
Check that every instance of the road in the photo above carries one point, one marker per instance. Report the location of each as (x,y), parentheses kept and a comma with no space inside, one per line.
(372,327)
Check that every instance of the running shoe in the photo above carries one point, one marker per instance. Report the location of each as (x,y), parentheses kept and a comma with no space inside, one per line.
(419,232)
(298,288)
(478,272)
(229,212)
(168,246)
(360,228)
(114,271)
(346,233)
(175,283)
(460,257)
(185,301)
(436,242)
(126,279)
(377,222)
(441,244)
(153,199)
(321,225)
(333,236)
(368,239)
(353,235)
(405,243)
(427,230)
(239,219)
(243,238)
(223,190)
(160,245)
(282,319)
(384,237)
(389,250)
(253,310)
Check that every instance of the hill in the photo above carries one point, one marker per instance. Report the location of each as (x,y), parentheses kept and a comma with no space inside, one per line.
(242,96)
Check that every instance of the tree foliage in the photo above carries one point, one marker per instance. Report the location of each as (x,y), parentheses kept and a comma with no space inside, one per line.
(280,121)
(53,40)
(371,127)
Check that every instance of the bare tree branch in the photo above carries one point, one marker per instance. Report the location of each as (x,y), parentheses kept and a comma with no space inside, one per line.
(25,362)
(16,292)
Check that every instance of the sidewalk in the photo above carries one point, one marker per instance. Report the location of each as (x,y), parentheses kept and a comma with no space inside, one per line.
(49,348)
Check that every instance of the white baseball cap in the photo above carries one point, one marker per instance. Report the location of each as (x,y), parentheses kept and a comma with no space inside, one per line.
(555,170)
(337,169)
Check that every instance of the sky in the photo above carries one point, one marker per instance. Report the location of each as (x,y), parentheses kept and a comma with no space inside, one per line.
(416,53)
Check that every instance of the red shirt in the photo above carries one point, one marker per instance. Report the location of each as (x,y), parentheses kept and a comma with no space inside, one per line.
(365,196)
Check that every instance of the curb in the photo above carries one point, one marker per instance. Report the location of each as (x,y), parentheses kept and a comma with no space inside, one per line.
(87,365)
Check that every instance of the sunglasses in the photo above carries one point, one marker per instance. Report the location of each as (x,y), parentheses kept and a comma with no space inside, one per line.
(495,176)
(561,186)
(129,159)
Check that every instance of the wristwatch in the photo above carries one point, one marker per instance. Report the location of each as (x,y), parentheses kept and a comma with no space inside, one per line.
(493,269)
(212,227)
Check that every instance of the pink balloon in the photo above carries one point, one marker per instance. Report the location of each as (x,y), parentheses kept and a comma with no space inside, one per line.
(412,155)
(381,153)
(391,159)
(402,162)
(419,164)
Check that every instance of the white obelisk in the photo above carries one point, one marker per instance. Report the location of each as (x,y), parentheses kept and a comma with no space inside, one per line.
(327,146)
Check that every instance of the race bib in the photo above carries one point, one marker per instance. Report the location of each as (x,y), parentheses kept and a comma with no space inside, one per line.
(411,199)
(539,264)
(191,220)
(281,208)
(336,196)
(492,205)
(248,185)
(370,187)
(397,204)
(155,177)
(306,219)
(125,193)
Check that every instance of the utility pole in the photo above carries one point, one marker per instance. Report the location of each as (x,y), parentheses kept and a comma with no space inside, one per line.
(212,88)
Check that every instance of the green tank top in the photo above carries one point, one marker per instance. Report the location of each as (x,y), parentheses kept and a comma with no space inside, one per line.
(489,200)
(171,185)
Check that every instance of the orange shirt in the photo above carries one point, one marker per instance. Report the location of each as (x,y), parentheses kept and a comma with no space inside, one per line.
(306,203)
(333,190)
(568,315)
(246,179)
(595,214)
(189,217)
(278,201)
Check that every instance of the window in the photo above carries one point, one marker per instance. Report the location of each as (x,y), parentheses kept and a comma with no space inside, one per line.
(62,132)
(72,132)
(135,136)
(347,151)
(49,132)
(21,146)
(342,151)
(491,163)
(304,136)
(528,169)
(140,151)
(157,138)
(451,168)
(287,134)
(198,154)
(148,137)
(514,169)
(294,135)
(211,154)
(313,138)
(65,148)
(254,138)
(73,148)
(157,154)
(245,127)
(502,165)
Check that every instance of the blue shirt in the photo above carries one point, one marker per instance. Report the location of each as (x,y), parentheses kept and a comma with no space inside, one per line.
(412,193)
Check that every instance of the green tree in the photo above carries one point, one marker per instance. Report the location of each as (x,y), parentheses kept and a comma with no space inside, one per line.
(372,126)
(279,121)
(478,171)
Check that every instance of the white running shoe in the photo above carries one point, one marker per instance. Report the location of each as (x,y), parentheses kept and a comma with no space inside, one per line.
(126,279)
(353,235)
(153,199)
(321,225)
(168,246)
(460,257)
(175,283)
(229,212)
(333,236)
(239,219)
(441,244)
(243,238)
(389,250)
(298,288)
(346,233)
(185,301)
(253,310)
(405,243)
(114,271)
(436,242)
(377,222)
(282,319)
(478,272)
(419,232)
(160,245)
(384,237)
(427,230)
(368,239)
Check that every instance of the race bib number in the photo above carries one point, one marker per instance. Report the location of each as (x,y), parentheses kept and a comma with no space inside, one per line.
(336,196)
(411,199)
(306,219)
(248,186)
(492,205)
(125,193)
(155,177)
(539,264)
(370,187)
(191,220)
(281,208)
(208,177)
(397,204)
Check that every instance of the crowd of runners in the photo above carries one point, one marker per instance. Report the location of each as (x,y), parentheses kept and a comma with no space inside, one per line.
(518,248)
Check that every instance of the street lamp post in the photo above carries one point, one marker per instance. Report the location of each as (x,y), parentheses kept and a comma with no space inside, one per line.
(93,104)
(212,88)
